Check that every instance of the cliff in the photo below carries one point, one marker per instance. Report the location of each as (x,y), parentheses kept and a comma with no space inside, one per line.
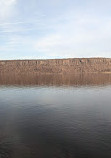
(73,65)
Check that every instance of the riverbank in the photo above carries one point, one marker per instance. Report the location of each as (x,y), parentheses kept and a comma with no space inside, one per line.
(73,65)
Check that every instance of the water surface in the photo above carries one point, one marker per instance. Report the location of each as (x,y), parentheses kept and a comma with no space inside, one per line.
(55,116)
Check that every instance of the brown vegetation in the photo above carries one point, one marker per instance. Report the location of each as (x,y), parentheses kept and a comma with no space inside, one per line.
(74,65)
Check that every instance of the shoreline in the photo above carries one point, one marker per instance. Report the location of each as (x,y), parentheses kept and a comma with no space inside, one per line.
(69,65)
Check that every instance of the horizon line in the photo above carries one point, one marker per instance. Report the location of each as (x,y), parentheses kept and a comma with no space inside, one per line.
(56,58)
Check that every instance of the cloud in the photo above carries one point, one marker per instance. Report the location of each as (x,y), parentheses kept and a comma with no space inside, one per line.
(46,43)
(78,36)
(6,7)
(61,30)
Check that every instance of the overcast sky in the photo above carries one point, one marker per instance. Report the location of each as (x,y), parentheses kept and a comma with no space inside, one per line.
(55,28)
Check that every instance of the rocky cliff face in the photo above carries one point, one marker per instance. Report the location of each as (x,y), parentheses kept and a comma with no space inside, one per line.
(74,65)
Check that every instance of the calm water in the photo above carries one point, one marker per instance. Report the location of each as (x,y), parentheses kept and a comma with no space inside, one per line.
(55,116)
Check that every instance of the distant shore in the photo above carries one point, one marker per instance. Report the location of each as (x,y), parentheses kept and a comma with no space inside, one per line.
(70,65)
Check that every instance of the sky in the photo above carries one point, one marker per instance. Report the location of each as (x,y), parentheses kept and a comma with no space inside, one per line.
(46,29)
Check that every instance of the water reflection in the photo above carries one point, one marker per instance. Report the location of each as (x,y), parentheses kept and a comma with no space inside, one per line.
(55,79)
(64,116)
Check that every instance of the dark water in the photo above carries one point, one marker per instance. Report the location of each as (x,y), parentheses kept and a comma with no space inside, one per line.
(55,116)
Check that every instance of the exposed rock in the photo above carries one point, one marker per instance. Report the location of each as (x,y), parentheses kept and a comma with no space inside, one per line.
(73,65)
